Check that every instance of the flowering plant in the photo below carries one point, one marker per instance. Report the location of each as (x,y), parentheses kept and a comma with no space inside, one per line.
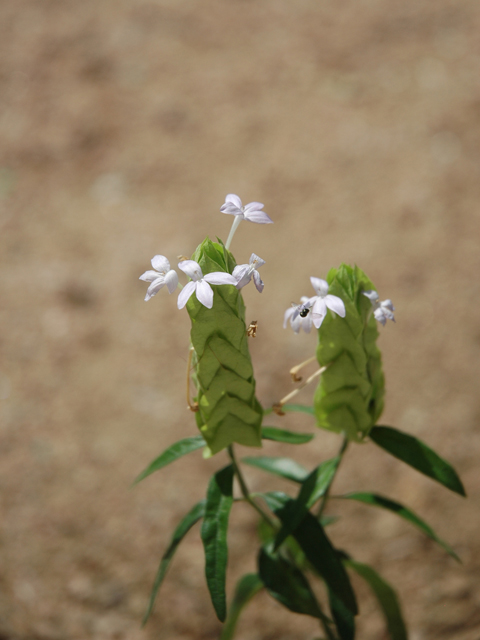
(348,400)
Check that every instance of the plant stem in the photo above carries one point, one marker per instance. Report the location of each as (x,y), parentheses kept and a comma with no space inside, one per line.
(246,493)
(326,495)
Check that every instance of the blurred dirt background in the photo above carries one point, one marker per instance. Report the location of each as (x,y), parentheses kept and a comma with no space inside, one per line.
(123,124)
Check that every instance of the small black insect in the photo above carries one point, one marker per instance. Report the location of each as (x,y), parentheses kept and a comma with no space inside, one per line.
(304,312)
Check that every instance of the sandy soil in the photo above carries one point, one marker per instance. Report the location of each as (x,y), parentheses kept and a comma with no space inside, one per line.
(123,124)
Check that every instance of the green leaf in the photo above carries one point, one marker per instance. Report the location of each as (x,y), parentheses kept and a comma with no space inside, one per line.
(282,435)
(298,408)
(319,551)
(349,396)
(415,453)
(386,597)
(287,584)
(283,467)
(214,536)
(247,587)
(228,410)
(193,516)
(175,451)
(344,618)
(313,488)
(384,503)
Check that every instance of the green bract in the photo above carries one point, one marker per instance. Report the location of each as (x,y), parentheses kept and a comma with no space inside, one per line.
(228,410)
(350,395)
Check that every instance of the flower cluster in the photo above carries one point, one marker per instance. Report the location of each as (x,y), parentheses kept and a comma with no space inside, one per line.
(313,310)
(199,283)
(310,312)
(382,311)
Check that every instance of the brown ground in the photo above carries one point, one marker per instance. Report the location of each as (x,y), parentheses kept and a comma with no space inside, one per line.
(123,124)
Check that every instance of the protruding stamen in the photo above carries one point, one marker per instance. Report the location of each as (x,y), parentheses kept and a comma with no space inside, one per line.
(193,406)
(277,407)
(296,369)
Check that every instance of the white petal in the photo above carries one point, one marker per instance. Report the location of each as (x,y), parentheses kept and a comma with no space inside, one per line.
(155,287)
(253,206)
(371,295)
(296,323)
(192,269)
(205,294)
(185,294)
(234,199)
(288,314)
(380,316)
(231,209)
(304,299)
(259,217)
(256,260)
(307,323)
(258,281)
(336,304)
(161,264)
(387,304)
(219,277)
(171,280)
(149,276)
(239,271)
(244,281)
(319,311)
(320,286)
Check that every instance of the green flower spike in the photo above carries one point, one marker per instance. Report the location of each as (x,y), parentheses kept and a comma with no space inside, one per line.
(349,397)
(228,410)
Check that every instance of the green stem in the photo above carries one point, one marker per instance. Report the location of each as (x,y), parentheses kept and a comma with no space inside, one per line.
(326,495)
(329,633)
(245,491)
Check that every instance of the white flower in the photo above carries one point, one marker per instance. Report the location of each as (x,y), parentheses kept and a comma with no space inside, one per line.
(162,275)
(251,212)
(322,300)
(243,273)
(200,283)
(383,311)
(299,316)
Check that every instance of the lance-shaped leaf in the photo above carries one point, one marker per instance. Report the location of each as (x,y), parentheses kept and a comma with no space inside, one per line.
(193,516)
(416,454)
(287,584)
(228,410)
(387,599)
(283,467)
(214,536)
(344,618)
(384,503)
(282,435)
(247,587)
(174,452)
(313,488)
(349,397)
(319,551)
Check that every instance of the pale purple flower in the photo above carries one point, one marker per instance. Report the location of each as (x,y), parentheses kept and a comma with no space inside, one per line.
(382,311)
(162,275)
(243,273)
(322,301)
(200,283)
(299,316)
(251,211)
